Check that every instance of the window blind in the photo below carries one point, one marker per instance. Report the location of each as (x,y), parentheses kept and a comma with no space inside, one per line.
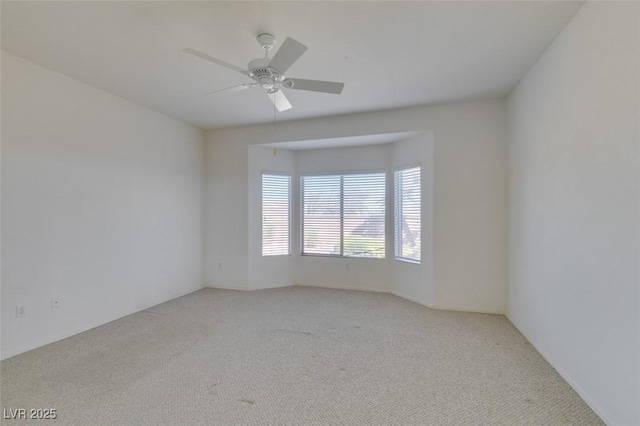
(407,226)
(276,214)
(343,215)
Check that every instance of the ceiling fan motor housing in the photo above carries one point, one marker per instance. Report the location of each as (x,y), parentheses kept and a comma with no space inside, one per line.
(260,71)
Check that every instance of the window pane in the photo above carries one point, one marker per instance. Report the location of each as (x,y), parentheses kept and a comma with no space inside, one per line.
(321,207)
(407,214)
(276,212)
(364,208)
(344,215)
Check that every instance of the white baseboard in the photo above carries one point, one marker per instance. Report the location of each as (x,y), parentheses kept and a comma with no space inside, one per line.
(340,287)
(466,309)
(375,290)
(249,289)
(95,324)
(273,286)
(223,287)
(445,308)
(412,299)
(584,395)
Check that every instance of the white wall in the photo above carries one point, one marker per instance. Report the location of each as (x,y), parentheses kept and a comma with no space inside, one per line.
(470,210)
(102,206)
(268,271)
(469,190)
(574,207)
(409,280)
(350,273)
(226,254)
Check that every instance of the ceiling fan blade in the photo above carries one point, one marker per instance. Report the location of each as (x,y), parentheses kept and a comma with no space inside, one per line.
(279,100)
(214,60)
(315,85)
(232,89)
(288,53)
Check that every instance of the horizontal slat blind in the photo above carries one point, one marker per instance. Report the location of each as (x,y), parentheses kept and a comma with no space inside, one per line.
(276,214)
(343,215)
(321,221)
(364,207)
(407,210)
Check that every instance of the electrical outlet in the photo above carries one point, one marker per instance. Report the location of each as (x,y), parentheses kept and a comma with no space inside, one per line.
(21,311)
(55,303)
(346,267)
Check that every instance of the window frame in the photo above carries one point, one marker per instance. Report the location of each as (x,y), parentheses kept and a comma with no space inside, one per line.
(397,234)
(385,174)
(289,213)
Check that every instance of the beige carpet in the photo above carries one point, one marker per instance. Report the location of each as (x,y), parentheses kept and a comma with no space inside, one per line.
(294,356)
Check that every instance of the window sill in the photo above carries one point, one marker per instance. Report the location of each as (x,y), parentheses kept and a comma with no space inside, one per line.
(337,256)
(405,260)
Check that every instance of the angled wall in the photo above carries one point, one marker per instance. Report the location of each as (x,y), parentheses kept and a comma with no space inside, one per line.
(469,195)
(270,271)
(410,280)
(574,207)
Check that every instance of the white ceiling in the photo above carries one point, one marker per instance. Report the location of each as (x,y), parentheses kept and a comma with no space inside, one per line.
(389,54)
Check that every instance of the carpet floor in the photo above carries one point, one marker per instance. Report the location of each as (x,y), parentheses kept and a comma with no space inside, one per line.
(294,356)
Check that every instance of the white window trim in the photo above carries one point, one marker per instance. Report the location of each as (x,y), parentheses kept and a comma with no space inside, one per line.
(395,228)
(385,172)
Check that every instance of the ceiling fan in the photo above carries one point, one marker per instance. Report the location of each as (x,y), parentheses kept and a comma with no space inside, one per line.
(270,73)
